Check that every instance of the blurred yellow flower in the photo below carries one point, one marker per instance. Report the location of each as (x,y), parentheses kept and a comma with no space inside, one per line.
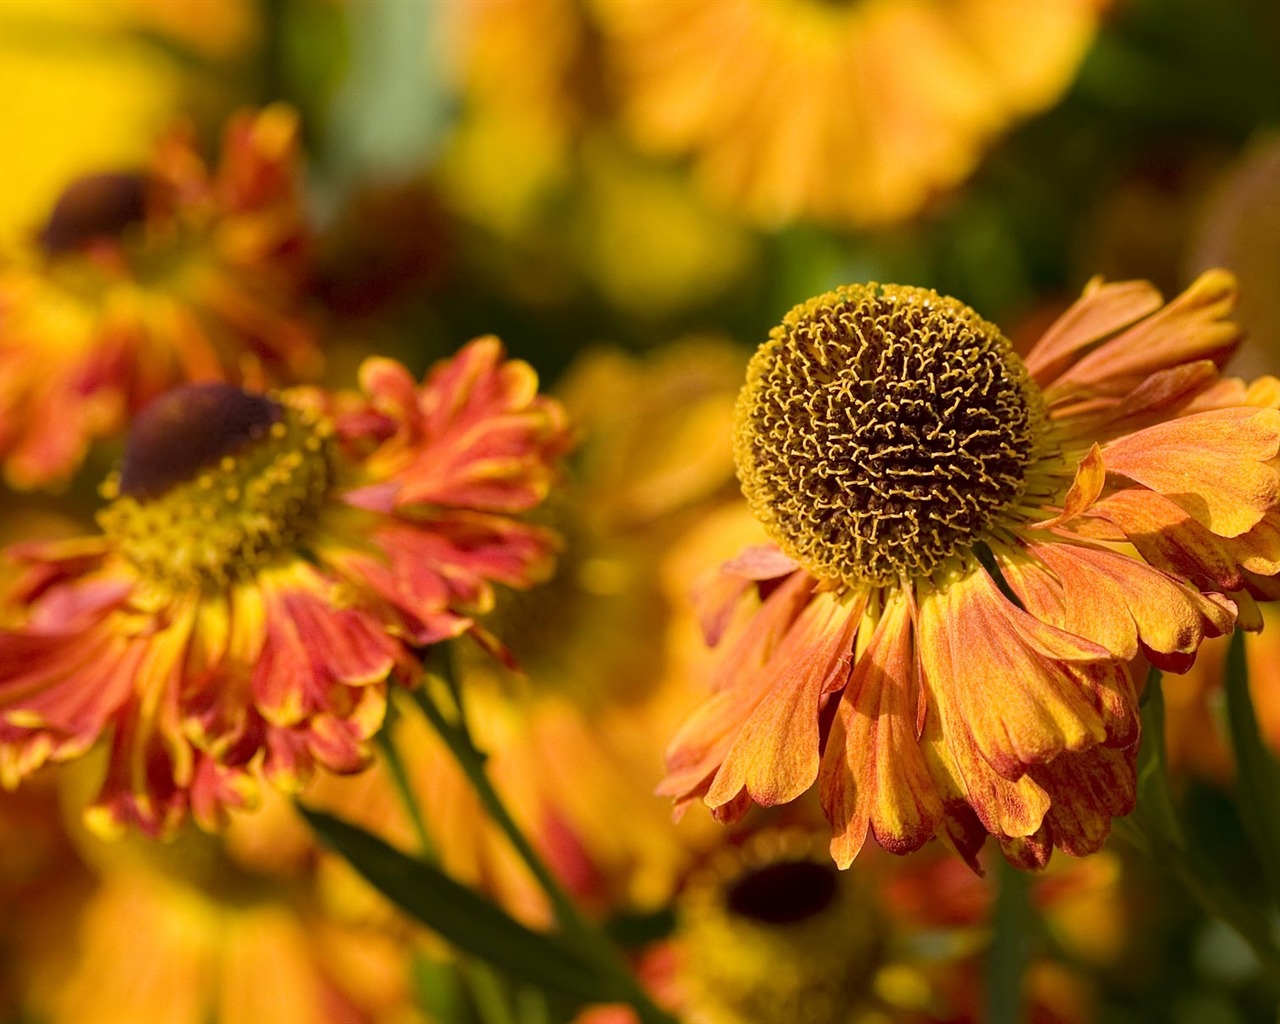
(87,85)
(850,114)
(768,931)
(234,929)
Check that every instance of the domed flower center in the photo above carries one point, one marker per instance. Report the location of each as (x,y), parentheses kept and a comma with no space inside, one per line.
(774,934)
(215,483)
(882,430)
(94,207)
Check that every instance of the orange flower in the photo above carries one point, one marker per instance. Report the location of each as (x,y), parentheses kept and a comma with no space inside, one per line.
(145,280)
(969,550)
(265,564)
(846,113)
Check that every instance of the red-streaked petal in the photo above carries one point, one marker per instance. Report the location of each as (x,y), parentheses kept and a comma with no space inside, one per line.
(873,773)
(1024,689)
(1119,602)
(774,756)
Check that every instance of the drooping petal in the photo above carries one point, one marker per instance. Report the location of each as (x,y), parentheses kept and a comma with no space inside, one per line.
(699,748)
(1024,689)
(1088,790)
(873,773)
(1122,602)
(774,756)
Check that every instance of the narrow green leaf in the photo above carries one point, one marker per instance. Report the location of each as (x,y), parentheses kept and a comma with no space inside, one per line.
(1257,787)
(459,915)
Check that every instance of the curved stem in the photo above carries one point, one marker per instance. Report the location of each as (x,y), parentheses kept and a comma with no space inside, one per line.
(588,940)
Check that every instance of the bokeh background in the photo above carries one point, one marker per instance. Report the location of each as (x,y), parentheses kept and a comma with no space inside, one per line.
(630,193)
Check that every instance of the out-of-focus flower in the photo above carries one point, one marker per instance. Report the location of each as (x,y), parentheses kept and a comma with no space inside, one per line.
(1239,228)
(1195,739)
(88,83)
(769,932)
(214,935)
(646,241)
(853,115)
(939,636)
(630,229)
(524,84)
(145,280)
(575,739)
(265,565)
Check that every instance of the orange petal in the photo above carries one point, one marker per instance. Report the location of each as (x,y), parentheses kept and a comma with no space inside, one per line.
(873,773)
(1190,328)
(1120,602)
(1088,790)
(1022,687)
(1102,310)
(699,748)
(775,754)
(1091,474)
(1212,464)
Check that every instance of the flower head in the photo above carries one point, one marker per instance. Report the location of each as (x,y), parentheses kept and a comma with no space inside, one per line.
(265,563)
(968,553)
(769,932)
(145,279)
(901,97)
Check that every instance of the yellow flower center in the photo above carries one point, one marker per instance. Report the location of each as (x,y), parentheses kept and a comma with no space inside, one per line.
(882,430)
(775,934)
(216,483)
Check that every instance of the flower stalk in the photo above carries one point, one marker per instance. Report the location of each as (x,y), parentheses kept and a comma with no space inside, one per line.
(588,941)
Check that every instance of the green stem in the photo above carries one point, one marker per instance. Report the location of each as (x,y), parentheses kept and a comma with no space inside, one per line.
(400,779)
(1010,950)
(589,941)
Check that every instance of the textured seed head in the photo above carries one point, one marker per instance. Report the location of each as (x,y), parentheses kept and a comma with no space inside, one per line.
(883,429)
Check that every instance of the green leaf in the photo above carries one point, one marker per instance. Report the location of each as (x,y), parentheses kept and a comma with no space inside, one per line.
(459,915)
(1257,787)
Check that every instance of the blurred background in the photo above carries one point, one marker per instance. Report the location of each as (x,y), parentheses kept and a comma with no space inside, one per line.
(630,193)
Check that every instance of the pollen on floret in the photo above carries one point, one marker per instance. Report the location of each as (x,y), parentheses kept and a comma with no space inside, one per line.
(882,430)
(215,483)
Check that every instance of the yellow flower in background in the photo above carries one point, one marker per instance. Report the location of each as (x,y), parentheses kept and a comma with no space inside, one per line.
(266,564)
(146,279)
(88,84)
(848,114)
(520,70)
(768,931)
(235,929)
(936,636)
